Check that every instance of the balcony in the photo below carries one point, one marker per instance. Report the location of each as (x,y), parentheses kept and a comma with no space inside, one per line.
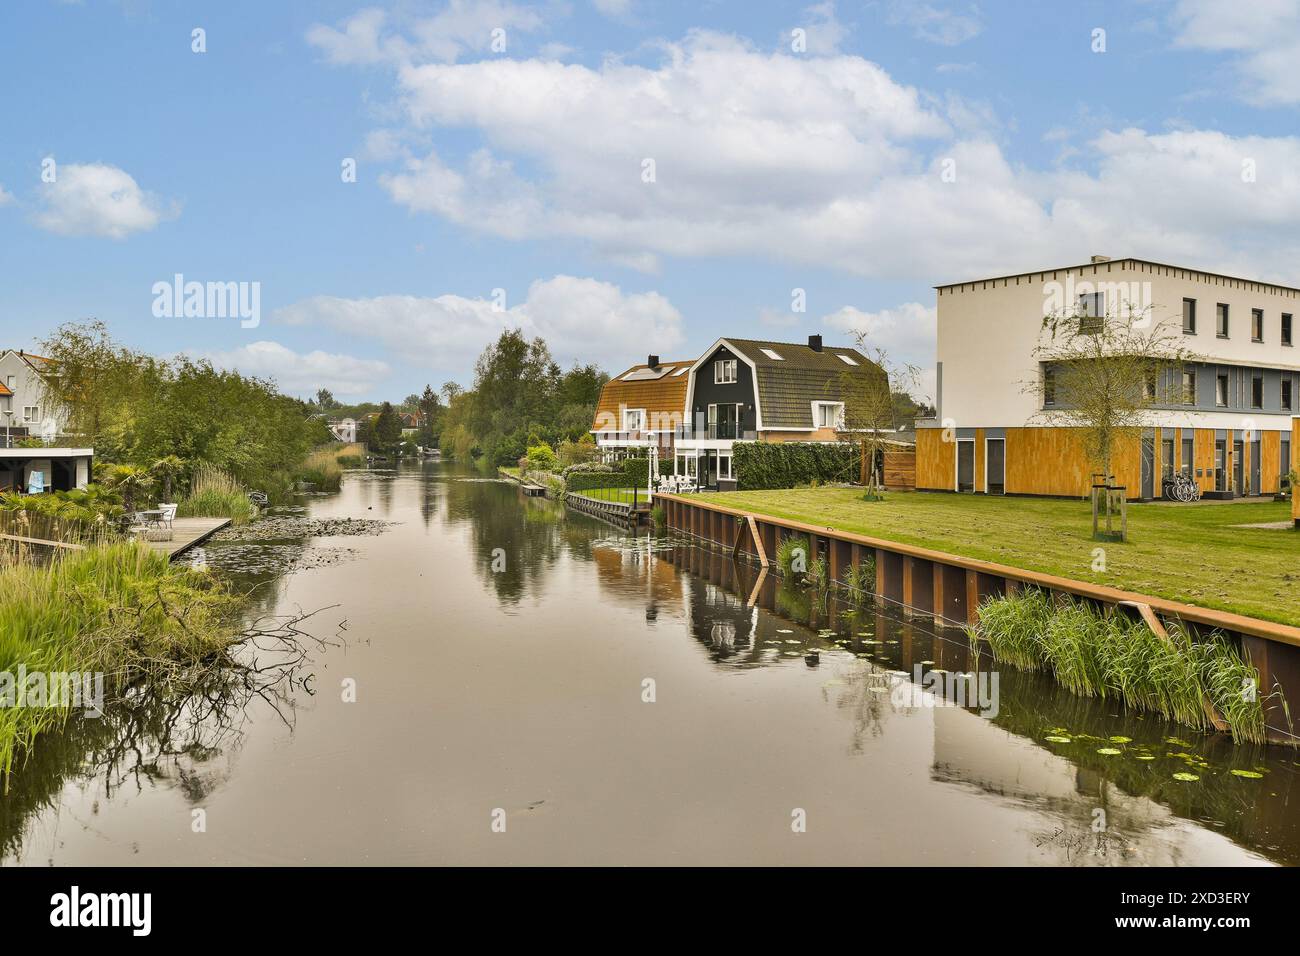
(714,431)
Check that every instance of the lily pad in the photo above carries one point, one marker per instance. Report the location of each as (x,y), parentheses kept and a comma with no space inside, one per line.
(1250,774)
(1109,751)
(1058,740)
(1186,776)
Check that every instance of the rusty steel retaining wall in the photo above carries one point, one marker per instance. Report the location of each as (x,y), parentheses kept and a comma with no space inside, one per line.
(948,588)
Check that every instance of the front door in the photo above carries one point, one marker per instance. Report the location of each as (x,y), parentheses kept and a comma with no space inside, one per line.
(1220,465)
(1254,467)
(709,470)
(1148,467)
(966,464)
(1237,485)
(996,462)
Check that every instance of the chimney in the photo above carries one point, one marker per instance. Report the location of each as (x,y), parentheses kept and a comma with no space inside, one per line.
(652,361)
(1097,259)
(815,343)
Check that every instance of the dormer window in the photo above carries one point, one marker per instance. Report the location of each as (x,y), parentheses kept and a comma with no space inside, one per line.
(828,414)
(633,419)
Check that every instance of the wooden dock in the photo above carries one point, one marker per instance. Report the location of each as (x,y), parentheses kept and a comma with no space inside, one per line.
(186,533)
(534,491)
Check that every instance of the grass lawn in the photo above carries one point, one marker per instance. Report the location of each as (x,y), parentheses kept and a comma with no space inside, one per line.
(1185,553)
(623,495)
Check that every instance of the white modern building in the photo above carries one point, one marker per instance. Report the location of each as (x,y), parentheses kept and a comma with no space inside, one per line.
(1226,422)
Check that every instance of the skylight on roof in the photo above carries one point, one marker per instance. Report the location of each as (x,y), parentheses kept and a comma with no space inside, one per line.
(772,355)
(680,370)
(846,359)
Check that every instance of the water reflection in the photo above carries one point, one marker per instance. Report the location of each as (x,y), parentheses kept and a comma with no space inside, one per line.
(1132,791)
(517,683)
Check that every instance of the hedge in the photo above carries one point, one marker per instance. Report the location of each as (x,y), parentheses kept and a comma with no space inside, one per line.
(762,465)
(584,480)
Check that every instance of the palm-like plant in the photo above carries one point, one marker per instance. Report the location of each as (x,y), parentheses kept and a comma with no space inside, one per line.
(166,470)
(130,480)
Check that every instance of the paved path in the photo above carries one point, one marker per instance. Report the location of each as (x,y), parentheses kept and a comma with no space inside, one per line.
(187,532)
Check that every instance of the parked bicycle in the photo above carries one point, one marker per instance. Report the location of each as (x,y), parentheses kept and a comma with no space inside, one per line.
(1181,487)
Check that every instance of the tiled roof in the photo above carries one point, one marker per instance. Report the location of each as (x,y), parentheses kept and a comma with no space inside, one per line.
(4,389)
(788,386)
(663,395)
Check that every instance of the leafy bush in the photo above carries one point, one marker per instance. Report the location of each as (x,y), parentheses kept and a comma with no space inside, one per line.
(541,458)
(638,471)
(586,480)
(578,452)
(764,465)
(585,468)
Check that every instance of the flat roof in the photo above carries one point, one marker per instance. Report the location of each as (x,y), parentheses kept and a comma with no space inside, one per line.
(47,452)
(1112,262)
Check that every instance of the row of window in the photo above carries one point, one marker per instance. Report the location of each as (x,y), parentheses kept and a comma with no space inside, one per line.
(1222,322)
(1187,393)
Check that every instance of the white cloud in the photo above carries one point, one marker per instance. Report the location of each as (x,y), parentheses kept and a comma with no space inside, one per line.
(822,28)
(938,24)
(618,9)
(463,26)
(818,160)
(5,198)
(906,334)
(302,373)
(582,320)
(98,200)
(1265,35)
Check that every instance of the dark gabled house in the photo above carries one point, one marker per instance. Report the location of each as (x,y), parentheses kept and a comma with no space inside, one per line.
(754,390)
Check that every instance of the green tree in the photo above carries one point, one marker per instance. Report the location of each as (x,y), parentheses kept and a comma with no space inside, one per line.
(388,427)
(129,481)
(166,470)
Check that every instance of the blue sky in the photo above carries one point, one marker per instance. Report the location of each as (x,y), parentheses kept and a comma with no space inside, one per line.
(521,169)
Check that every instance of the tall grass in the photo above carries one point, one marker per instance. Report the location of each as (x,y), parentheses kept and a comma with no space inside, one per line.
(215,493)
(793,555)
(322,469)
(110,610)
(1098,654)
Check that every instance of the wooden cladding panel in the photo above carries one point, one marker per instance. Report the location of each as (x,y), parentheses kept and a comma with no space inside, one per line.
(936,460)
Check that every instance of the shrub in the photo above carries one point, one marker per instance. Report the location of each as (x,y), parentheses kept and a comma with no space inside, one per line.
(793,555)
(540,458)
(578,452)
(637,471)
(764,465)
(215,494)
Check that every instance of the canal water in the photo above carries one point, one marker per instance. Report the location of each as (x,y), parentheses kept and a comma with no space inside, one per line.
(508,682)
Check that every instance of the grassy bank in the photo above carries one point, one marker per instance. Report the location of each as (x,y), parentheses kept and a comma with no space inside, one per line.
(121,610)
(1191,553)
(1093,654)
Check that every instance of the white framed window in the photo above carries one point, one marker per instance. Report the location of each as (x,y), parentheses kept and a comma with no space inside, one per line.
(772,355)
(633,419)
(846,359)
(31,413)
(724,371)
(724,466)
(828,414)
(11,382)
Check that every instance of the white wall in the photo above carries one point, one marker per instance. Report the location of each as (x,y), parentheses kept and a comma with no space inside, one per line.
(987,332)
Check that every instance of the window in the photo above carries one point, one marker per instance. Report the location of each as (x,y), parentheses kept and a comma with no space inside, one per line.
(31,413)
(1221,390)
(1286,328)
(1167,457)
(828,414)
(724,371)
(846,359)
(1257,391)
(1221,320)
(1286,394)
(633,419)
(1189,449)
(1257,325)
(772,355)
(1189,316)
(1189,388)
(1092,304)
(1049,386)
(1149,387)
(724,466)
